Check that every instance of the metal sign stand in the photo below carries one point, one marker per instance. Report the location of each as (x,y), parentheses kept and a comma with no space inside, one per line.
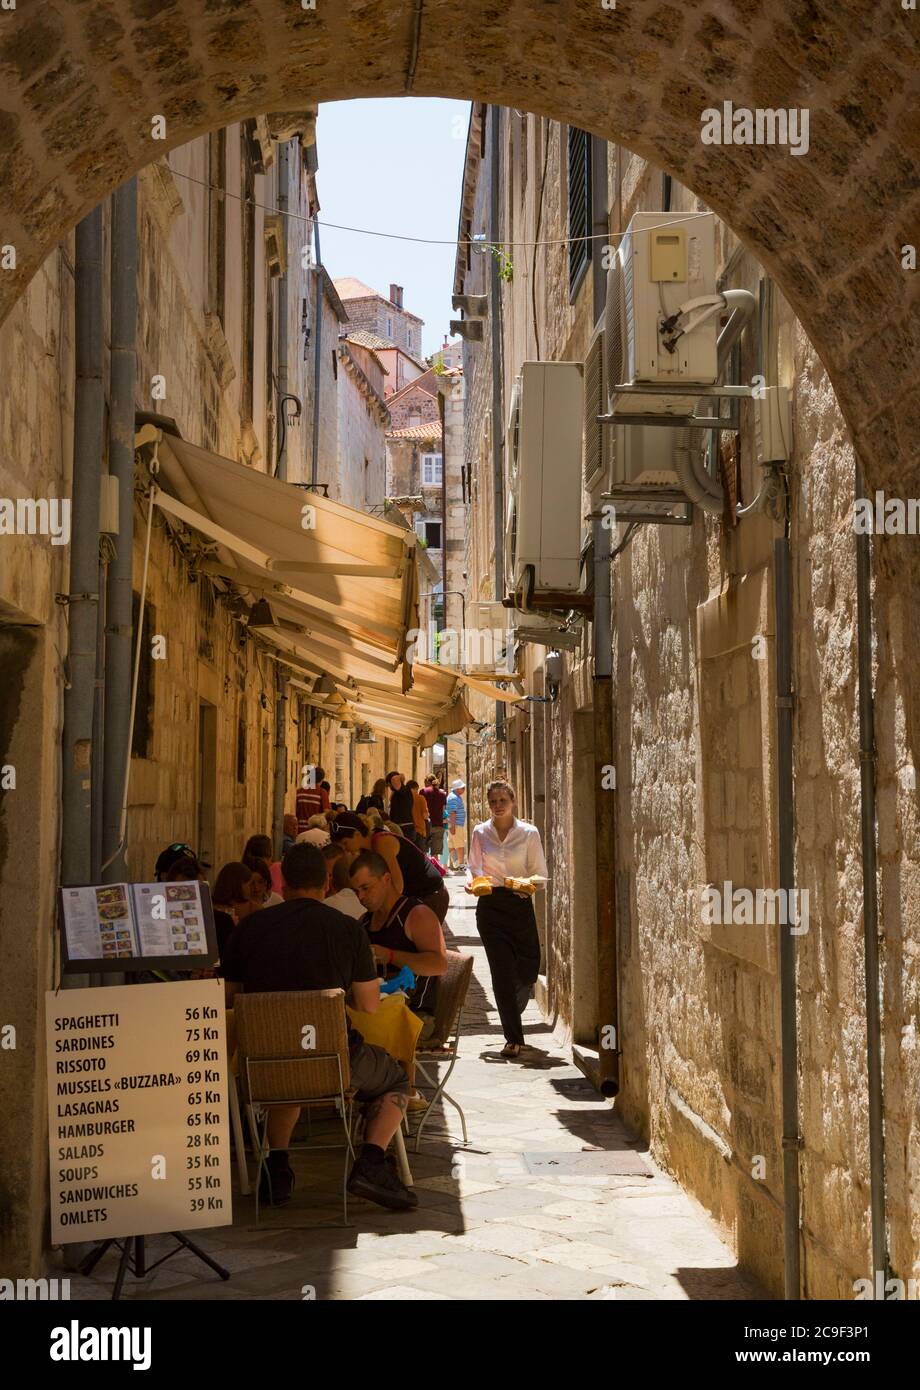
(138,1266)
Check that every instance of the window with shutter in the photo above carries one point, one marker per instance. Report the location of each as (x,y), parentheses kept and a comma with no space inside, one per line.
(579,189)
(432,470)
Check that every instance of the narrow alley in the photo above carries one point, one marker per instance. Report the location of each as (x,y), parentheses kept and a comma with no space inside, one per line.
(550,1199)
(459,566)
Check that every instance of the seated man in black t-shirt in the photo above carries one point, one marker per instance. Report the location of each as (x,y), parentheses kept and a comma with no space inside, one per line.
(302,944)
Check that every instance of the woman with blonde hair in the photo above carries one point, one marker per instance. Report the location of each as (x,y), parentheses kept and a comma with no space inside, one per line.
(506,867)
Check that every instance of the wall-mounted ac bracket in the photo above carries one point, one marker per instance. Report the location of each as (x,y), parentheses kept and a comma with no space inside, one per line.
(674,422)
(690,393)
(668,507)
(559,601)
(687,420)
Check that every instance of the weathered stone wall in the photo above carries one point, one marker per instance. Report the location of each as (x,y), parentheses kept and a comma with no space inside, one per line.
(457,511)
(416,399)
(36,448)
(694,694)
(829,226)
(381,316)
(206,662)
(360,478)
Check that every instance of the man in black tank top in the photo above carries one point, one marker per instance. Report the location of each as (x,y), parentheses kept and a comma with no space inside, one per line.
(404,861)
(402,930)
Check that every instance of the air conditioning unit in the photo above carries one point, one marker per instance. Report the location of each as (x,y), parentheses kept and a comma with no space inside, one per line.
(544,522)
(487,638)
(643,457)
(662,312)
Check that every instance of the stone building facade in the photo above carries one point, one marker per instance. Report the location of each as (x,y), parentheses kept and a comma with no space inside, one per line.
(386,318)
(414,473)
(399,366)
(693,696)
(226,312)
(416,403)
(363,422)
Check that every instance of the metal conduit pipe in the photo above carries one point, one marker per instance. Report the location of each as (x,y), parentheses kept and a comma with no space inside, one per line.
(742,304)
(792,1141)
(283,173)
(119,625)
(605,844)
(498,424)
(703,490)
(317,350)
(867,756)
(79,762)
(280,784)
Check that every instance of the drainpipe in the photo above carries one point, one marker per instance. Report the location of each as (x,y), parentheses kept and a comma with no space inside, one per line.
(317,347)
(99,704)
(282,203)
(792,1141)
(441,414)
(80,759)
(498,432)
(605,818)
(870,902)
(119,627)
(280,785)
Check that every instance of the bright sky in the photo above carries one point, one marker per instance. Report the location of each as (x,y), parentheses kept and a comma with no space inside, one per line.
(394,165)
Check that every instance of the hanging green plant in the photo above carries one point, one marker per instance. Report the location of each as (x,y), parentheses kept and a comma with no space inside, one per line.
(505,265)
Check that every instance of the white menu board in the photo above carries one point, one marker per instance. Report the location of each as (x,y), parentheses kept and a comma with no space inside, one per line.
(137,1110)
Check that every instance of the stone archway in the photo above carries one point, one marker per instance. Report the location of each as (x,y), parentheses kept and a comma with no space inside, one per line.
(81,82)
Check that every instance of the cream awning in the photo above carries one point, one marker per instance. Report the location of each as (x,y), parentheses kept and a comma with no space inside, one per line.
(342,590)
(351,575)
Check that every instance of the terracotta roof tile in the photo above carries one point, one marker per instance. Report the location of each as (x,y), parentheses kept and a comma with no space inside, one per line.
(430,431)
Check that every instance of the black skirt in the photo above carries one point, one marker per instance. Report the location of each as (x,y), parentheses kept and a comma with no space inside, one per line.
(502,908)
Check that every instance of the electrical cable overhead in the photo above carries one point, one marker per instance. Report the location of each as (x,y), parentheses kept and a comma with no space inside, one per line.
(428,241)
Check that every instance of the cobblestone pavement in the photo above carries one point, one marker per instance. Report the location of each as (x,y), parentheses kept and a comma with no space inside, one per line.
(491,1223)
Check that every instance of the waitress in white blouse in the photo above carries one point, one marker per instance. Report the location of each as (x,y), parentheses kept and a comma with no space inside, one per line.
(505,847)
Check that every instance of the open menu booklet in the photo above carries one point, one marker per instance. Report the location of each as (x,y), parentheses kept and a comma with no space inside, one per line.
(127,921)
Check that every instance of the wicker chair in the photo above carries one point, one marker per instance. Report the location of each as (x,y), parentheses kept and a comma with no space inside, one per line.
(444,1043)
(275,1069)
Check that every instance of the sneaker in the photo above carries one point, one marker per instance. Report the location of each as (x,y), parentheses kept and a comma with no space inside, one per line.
(416,1103)
(277,1183)
(380,1183)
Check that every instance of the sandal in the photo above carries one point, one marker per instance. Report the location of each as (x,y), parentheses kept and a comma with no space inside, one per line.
(511,1050)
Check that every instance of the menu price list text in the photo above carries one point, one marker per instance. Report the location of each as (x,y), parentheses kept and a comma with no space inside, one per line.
(137,1095)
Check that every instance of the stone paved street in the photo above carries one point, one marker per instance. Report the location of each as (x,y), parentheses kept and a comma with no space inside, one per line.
(486,1226)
